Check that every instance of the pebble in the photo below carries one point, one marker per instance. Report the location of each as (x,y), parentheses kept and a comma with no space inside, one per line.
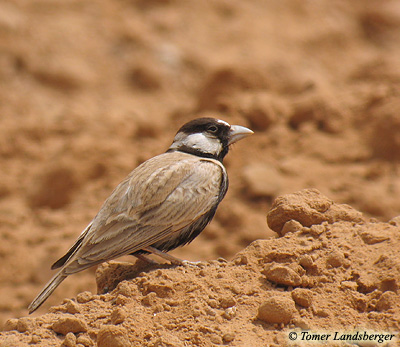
(277,309)
(227,302)
(282,275)
(118,315)
(291,226)
(387,301)
(372,237)
(306,261)
(84,340)
(35,339)
(67,324)
(25,324)
(302,297)
(335,259)
(72,307)
(84,297)
(230,312)
(112,336)
(69,341)
(228,337)
(11,324)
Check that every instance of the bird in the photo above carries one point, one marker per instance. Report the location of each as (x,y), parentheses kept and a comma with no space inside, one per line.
(162,204)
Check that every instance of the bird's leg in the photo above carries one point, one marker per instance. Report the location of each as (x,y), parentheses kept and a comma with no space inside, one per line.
(146,259)
(166,256)
(171,258)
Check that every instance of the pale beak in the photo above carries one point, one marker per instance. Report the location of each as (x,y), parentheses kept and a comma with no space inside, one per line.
(237,133)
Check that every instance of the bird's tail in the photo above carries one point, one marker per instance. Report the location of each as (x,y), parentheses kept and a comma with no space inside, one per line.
(47,290)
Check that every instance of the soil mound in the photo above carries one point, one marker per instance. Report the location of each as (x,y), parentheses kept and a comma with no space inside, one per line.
(332,275)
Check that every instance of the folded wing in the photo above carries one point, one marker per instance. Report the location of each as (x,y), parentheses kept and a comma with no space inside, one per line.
(152,204)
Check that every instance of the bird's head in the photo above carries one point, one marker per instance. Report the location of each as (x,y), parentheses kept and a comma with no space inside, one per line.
(208,137)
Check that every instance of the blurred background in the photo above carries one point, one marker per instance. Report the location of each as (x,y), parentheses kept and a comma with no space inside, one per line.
(90,89)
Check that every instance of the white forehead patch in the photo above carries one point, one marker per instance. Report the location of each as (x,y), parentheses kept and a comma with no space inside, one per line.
(223,122)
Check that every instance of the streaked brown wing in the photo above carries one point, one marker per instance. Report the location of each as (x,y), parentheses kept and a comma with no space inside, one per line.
(149,205)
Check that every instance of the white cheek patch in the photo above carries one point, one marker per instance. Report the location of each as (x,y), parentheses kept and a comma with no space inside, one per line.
(203,143)
(198,141)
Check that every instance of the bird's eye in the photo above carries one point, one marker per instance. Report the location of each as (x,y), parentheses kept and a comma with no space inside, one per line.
(212,129)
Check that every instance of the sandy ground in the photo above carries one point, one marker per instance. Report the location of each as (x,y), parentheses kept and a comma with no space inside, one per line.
(88,90)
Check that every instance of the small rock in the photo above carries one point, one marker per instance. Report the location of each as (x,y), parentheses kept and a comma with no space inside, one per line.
(149,299)
(395,221)
(113,336)
(121,300)
(35,339)
(67,324)
(317,229)
(228,337)
(69,341)
(282,275)
(84,340)
(118,315)
(241,259)
(277,309)
(367,283)
(308,207)
(72,307)
(302,297)
(227,302)
(124,289)
(84,297)
(215,339)
(301,323)
(162,290)
(371,237)
(306,261)
(25,324)
(290,226)
(387,301)
(349,285)
(335,259)
(230,312)
(321,312)
(11,324)
(209,311)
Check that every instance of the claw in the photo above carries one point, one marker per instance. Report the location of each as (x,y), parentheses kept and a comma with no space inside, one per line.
(193,263)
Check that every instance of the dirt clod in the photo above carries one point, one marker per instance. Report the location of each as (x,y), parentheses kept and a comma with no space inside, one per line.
(112,336)
(302,297)
(277,309)
(67,323)
(308,207)
(282,275)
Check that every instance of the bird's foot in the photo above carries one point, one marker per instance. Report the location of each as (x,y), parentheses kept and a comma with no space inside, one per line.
(193,263)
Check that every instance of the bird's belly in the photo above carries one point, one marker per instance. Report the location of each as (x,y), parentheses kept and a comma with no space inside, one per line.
(185,235)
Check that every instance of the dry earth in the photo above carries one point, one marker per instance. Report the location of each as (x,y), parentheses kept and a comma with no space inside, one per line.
(331,270)
(88,90)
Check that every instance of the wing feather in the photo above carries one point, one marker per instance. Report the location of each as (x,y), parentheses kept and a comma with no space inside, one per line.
(159,198)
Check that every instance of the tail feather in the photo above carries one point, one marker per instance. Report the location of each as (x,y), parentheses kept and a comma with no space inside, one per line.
(47,291)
